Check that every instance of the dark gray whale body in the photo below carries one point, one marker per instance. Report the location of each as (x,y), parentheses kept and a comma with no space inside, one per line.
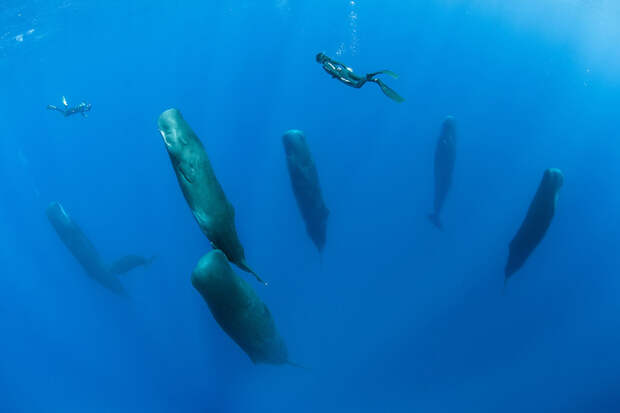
(85,252)
(445,154)
(238,310)
(306,187)
(200,187)
(536,222)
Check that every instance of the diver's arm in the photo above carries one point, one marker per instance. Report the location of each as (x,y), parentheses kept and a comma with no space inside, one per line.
(336,63)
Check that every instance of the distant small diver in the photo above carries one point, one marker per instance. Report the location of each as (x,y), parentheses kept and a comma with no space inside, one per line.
(87,255)
(445,154)
(82,108)
(536,222)
(345,75)
(306,187)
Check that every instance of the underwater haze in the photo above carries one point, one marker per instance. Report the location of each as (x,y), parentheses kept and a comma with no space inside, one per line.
(393,315)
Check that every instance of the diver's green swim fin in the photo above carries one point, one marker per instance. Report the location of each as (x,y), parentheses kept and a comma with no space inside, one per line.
(389,92)
(389,73)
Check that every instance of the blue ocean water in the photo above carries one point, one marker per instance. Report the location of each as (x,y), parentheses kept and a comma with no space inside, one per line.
(395,316)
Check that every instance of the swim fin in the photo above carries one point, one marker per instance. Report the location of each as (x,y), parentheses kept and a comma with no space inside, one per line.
(389,92)
(389,73)
(64,102)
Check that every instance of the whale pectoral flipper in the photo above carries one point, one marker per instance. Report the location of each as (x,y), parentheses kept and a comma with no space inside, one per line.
(244,266)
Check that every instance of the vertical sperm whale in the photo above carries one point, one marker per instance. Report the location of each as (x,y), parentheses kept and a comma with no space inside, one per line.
(306,187)
(445,154)
(536,222)
(202,191)
(238,310)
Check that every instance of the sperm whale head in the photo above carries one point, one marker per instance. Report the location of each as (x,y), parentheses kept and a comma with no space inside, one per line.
(293,140)
(172,128)
(56,213)
(448,128)
(554,178)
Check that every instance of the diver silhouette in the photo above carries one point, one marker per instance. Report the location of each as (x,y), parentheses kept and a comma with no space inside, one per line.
(82,108)
(346,75)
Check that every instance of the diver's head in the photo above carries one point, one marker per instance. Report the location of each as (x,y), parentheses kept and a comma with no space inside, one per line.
(321,57)
(88,106)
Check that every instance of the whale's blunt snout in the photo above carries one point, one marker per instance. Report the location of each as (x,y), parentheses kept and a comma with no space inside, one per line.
(555,177)
(448,124)
(55,209)
(291,139)
(168,123)
(57,213)
(53,205)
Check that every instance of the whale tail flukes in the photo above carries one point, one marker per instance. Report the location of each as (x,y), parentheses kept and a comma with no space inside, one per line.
(149,261)
(434,218)
(245,267)
(129,262)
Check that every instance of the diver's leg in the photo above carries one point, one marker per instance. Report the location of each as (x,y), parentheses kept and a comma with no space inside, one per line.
(359,83)
(52,107)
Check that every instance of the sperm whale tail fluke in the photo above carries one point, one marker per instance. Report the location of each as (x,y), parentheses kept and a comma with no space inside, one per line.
(434,218)
(149,261)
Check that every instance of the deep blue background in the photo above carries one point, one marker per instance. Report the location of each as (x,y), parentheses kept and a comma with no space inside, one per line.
(398,317)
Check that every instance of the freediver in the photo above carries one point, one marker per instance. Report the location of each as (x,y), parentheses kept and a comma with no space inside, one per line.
(345,74)
(82,108)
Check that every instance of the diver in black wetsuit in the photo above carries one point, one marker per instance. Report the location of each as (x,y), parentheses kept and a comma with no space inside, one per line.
(345,75)
(82,108)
